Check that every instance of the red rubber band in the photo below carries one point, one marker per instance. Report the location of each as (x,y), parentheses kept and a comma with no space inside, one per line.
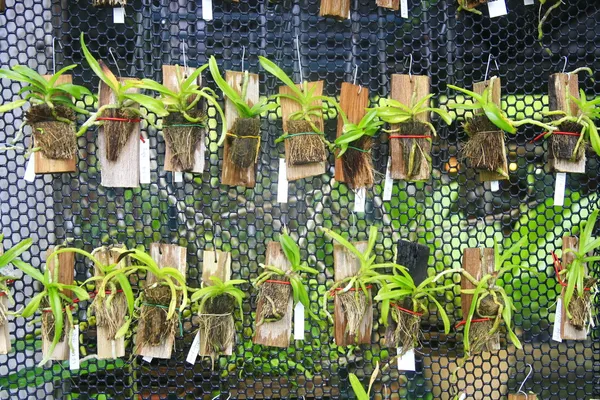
(118,119)
(538,137)
(2,294)
(409,137)
(276,281)
(418,314)
(351,290)
(558,268)
(10,281)
(461,323)
(142,138)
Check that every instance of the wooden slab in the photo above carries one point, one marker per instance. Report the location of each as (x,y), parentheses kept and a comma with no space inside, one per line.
(560,87)
(522,397)
(125,172)
(403,87)
(170,81)
(295,172)
(478,262)
(338,9)
(354,100)
(165,255)
(567,330)
(215,263)
(393,4)
(108,349)
(276,334)
(415,258)
(4,329)
(479,87)
(345,265)
(233,175)
(45,165)
(66,273)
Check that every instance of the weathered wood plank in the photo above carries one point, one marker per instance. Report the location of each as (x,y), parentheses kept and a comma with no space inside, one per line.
(338,9)
(393,4)
(5,345)
(522,397)
(567,330)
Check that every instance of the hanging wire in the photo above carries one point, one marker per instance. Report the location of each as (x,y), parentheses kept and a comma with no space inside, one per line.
(565,65)
(110,50)
(299,61)
(525,380)
(185,65)
(54,54)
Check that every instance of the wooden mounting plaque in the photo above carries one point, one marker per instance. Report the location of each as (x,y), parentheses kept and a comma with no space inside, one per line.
(338,9)
(66,273)
(560,87)
(170,81)
(276,334)
(522,397)
(231,174)
(567,330)
(345,265)
(125,172)
(215,263)
(165,255)
(354,100)
(415,258)
(295,172)
(479,87)
(403,87)
(5,345)
(108,349)
(45,165)
(393,4)
(477,262)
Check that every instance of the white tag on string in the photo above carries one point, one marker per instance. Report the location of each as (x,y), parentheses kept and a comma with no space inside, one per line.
(148,359)
(194,350)
(282,182)
(407,361)
(494,186)
(360,198)
(463,396)
(74,349)
(497,8)
(404,8)
(557,322)
(119,15)
(30,169)
(528,2)
(207,10)
(559,189)
(299,321)
(144,161)
(177,176)
(388,186)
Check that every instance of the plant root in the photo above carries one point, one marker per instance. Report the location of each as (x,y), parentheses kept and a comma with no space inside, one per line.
(244,146)
(480,337)
(581,305)
(358,165)
(48,323)
(116,133)
(3,313)
(156,326)
(484,149)
(404,330)
(275,299)
(304,149)
(55,138)
(182,140)
(217,326)
(110,312)
(354,306)
(562,147)
(412,149)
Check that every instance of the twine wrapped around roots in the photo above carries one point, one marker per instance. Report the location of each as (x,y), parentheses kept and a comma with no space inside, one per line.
(110,312)
(404,330)
(244,142)
(156,326)
(56,139)
(580,306)
(484,149)
(182,137)
(217,325)
(480,338)
(275,298)
(357,164)
(48,323)
(116,133)
(304,145)
(562,147)
(354,306)
(413,152)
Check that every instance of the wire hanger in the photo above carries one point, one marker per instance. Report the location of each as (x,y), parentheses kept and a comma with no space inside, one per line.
(54,54)
(110,50)
(520,391)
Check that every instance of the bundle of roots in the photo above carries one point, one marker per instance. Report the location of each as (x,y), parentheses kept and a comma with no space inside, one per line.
(354,306)
(413,152)
(485,147)
(275,298)
(479,333)
(358,165)
(117,133)
(307,146)
(56,139)
(217,326)
(562,147)
(156,326)
(110,312)
(49,323)
(244,142)
(109,3)
(3,313)
(182,137)
(580,306)
(403,331)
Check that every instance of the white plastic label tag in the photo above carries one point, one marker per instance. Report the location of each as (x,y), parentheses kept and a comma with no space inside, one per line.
(144,161)
(299,321)
(74,350)
(282,182)
(528,2)
(557,322)
(463,396)
(207,10)
(559,189)
(177,176)
(494,186)
(194,350)
(148,359)
(389,182)
(30,169)
(119,15)
(407,361)
(360,198)
(497,8)
(404,8)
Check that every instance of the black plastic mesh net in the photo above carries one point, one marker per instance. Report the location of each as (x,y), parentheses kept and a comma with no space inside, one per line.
(450,212)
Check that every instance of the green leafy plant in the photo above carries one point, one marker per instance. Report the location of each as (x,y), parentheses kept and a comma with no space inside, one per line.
(368,126)
(357,387)
(220,288)
(543,18)
(470,6)
(5,260)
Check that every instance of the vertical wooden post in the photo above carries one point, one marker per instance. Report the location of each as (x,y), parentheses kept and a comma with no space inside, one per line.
(45,165)
(403,88)
(338,9)
(125,172)
(295,172)
(354,100)
(66,273)
(345,265)
(478,88)
(522,397)
(215,263)
(231,174)
(165,255)
(567,330)
(276,334)
(392,4)
(5,345)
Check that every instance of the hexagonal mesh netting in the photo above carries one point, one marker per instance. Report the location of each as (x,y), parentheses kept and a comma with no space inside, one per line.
(450,212)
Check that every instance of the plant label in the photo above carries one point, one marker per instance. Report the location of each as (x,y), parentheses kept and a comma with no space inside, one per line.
(528,2)
(559,189)
(144,162)
(497,8)
(360,198)
(282,183)
(119,15)
(207,10)
(463,396)
(74,349)
(30,170)
(299,321)
(389,182)
(148,359)
(407,361)
(494,186)
(177,176)
(404,8)
(194,350)
(557,322)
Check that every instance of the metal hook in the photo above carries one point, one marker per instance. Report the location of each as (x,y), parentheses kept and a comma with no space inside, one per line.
(354,79)
(410,67)
(299,61)
(565,66)
(217,397)
(110,50)
(185,66)
(525,380)
(487,68)
(54,54)
(243,56)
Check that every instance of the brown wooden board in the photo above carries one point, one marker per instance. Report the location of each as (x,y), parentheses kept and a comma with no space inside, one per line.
(345,265)
(66,273)
(165,255)
(215,263)
(403,87)
(478,262)
(170,81)
(339,9)
(560,87)
(393,4)
(231,174)
(125,172)
(354,100)
(295,172)
(276,334)
(4,329)
(479,87)
(567,330)
(522,397)
(45,165)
